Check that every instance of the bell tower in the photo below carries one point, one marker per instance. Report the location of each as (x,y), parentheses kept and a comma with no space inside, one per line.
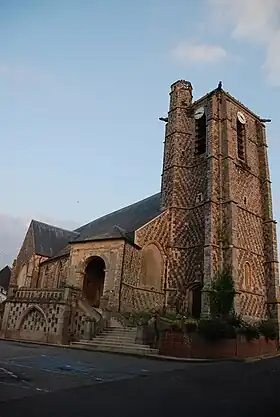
(184,194)
(216,188)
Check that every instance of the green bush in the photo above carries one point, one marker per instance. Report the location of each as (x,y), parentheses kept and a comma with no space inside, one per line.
(190,326)
(216,329)
(221,295)
(250,331)
(268,329)
(235,320)
(137,318)
(173,316)
(175,326)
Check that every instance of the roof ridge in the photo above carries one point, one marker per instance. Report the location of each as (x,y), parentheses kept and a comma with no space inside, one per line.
(7,266)
(116,211)
(51,225)
(246,108)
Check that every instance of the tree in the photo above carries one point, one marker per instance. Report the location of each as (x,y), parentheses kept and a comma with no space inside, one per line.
(222,295)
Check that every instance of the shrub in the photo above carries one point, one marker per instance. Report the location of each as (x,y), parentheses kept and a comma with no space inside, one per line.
(250,331)
(222,295)
(190,326)
(235,320)
(175,325)
(173,316)
(268,329)
(216,329)
(138,318)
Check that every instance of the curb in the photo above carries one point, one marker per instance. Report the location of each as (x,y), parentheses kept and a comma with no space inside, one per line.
(88,349)
(148,356)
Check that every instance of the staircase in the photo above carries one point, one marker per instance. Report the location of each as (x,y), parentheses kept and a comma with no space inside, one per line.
(117,339)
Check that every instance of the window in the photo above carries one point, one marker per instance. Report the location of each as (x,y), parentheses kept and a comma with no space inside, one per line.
(21,280)
(199,198)
(240,129)
(247,276)
(46,277)
(200,134)
(151,267)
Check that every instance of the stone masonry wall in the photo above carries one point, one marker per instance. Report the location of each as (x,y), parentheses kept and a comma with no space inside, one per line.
(32,314)
(244,214)
(184,193)
(53,274)
(135,295)
(220,208)
(27,263)
(111,251)
(24,256)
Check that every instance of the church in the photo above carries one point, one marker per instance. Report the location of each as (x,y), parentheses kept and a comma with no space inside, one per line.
(213,213)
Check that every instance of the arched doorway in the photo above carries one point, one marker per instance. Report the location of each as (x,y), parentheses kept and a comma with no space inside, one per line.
(194,301)
(94,281)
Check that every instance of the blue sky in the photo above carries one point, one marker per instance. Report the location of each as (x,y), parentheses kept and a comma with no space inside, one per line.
(82,84)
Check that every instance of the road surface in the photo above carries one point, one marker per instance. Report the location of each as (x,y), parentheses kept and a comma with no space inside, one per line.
(46,381)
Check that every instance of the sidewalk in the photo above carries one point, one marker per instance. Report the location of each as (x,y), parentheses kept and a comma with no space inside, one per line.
(149,356)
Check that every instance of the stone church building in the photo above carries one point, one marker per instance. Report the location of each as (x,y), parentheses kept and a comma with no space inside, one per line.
(214,212)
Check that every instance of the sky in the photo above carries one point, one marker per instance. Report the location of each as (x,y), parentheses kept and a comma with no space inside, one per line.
(83,83)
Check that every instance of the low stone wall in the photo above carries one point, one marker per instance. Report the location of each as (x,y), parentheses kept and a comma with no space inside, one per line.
(195,346)
(36,315)
(31,336)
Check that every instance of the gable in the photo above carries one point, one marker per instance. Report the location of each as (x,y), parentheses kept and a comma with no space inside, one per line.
(48,239)
(26,251)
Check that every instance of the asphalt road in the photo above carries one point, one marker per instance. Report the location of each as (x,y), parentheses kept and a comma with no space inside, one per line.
(46,381)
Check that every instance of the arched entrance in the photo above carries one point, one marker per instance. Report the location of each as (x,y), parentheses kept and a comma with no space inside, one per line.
(94,281)
(194,301)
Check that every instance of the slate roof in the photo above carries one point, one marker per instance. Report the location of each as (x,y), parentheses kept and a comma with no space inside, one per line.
(128,219)
(48,239)
(119,224)
(5,276)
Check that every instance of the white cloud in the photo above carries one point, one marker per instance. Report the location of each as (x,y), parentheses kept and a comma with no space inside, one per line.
(256,21)
(198,52)
(13,230)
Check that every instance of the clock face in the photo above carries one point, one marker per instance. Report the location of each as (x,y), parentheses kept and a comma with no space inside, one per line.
(199,113)
(241,117)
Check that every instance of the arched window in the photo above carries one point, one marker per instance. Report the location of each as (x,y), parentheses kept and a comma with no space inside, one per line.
(22,276)
(247,276)
(240,130)
(200,135)
(151,267)
(59,274)
(46,277)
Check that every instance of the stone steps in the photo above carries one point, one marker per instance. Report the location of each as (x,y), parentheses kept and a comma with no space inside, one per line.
(119,334)
(116,348)
(117,339)
(120,329)
(112,339)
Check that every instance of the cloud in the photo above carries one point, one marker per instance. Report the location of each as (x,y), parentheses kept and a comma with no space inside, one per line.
(12,232)
(254,21)
(188,52)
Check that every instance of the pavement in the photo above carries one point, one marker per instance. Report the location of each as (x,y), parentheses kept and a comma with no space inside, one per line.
(50,381)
